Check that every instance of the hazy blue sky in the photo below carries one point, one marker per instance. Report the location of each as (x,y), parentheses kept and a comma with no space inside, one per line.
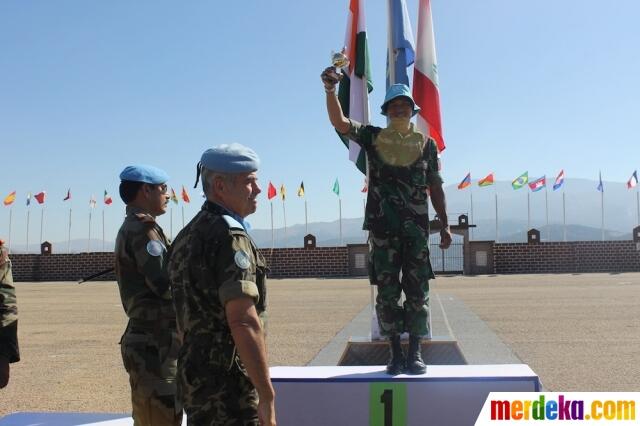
(87,88)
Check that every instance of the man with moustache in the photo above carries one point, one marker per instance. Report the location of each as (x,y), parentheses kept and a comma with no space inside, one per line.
(9,352)
(218,282)
(150,342)
(403,166)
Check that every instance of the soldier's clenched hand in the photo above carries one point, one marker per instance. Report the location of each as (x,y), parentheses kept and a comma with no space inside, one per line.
(445,238)
(330,78)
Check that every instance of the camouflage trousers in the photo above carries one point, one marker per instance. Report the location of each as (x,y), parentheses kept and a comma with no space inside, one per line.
(215,388)
(150,358)
(388,256)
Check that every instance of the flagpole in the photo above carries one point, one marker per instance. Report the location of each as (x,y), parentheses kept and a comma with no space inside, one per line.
(103,229)
(546,208)
(496,194)
(69,234)
(306,223)
(28,214)
(602,208)
(171,223)
(528,211)
(89,240)
(10,220)
(41,223)
(183,216)
(273,235)
(390,62)
(637,207)
(284,215)
(471,197)
(340,218)
(564,217)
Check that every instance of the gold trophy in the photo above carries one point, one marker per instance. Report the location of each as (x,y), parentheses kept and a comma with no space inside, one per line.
(339,60)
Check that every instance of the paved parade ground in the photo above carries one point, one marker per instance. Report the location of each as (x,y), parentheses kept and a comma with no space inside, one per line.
(579,332)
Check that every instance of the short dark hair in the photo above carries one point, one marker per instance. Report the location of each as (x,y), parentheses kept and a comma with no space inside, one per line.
(129,189)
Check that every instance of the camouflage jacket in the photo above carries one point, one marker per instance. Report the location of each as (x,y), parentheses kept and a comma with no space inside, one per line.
(8,310)
(401,167)
(140,253)
(213,260)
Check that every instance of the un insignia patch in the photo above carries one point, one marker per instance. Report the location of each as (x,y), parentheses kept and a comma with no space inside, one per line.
(155,248)
(242,259)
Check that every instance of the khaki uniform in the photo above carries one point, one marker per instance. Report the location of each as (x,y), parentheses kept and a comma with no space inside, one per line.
(150,343)
(213,261)
(401,168)
(8,310)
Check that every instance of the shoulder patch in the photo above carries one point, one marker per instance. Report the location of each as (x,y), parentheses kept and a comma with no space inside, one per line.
(232,222)
(155,248)
(242,259)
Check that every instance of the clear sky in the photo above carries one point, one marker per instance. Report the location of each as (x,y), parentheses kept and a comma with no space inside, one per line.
(87,88)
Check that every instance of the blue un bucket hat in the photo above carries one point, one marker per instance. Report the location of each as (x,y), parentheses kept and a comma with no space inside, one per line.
(397,91)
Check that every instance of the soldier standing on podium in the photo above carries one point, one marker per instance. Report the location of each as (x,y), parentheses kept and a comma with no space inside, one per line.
(403,165)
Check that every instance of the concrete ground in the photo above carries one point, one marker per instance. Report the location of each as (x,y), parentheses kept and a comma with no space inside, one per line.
(578,332)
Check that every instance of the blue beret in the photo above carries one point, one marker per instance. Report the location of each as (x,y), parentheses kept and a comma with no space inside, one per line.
(144,173)
(233,158)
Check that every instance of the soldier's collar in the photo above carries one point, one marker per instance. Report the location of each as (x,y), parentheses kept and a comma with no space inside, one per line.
(216,208)
(137,211)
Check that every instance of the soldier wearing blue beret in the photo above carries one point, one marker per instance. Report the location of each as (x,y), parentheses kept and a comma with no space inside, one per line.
(218,280)
(150,342)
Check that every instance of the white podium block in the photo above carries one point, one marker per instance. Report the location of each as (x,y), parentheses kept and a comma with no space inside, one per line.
(365,395)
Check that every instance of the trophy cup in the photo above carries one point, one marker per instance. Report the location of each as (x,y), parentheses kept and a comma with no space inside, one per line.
(339,60)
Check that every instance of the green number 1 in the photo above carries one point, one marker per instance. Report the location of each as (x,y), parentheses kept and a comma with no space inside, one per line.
(387,404)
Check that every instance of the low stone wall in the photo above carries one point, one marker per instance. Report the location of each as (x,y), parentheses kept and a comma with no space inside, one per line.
(566,257)
(283,262)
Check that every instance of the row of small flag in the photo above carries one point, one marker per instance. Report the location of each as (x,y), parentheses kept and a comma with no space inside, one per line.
(539,183)
(272,191)
(41,196)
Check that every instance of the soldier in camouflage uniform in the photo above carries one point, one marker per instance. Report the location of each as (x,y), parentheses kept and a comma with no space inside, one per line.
(150,343)
(218,282)
(403,164)
(8,317)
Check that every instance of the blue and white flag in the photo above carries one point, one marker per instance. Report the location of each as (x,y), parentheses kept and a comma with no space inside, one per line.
(401,52)
(559,180)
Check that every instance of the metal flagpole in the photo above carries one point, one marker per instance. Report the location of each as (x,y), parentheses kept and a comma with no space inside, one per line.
(602,208)
(496,194)
(171,223)
(41,223)
(284,215)
(340,216)
(471,197)
(390,62)
(528,211)
(10,220)
(637,206)
(69,233)
(28,214)
(89,240)
(306,223)
(564,217)
(273,235)
(103,229)
(546,208)
(183,215)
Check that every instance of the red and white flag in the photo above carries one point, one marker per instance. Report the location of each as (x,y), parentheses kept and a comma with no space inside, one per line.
(40,196)
(107,198)
(633,180)
(425,77)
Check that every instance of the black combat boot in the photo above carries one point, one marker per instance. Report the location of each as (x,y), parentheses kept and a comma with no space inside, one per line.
(396,364)
(415,365)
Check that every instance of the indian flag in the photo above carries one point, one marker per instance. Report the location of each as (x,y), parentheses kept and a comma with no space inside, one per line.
(425,77)
(354,89)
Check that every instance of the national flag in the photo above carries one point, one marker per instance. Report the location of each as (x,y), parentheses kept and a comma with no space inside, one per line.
(185,195)
(538,184)
(9,199)
(283,192)
(559,180)
(465,182)
(336,187)
(92,202)
(301,190)
(486,181)
(353,92)
(68,196)
(271,191)
(174,197)
(29,198)
(633,180)
(400,51)
(520,181)
(40,196)
(365,188)
(600,186)
(425,77)
(107,198)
